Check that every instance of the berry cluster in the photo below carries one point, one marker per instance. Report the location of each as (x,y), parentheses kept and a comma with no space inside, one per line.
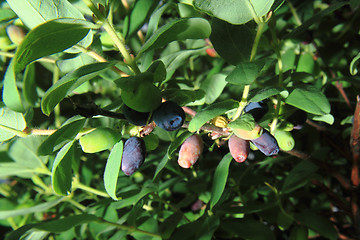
(170,117)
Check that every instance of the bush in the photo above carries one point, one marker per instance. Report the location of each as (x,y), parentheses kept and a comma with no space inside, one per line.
(237,69)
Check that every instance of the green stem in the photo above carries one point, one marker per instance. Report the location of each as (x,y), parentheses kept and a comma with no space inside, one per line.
(294,13)
(76,204)
(246,91)
(57,114)
(78,185)
(43,59)
(119,43)
(14,131)
(129,229)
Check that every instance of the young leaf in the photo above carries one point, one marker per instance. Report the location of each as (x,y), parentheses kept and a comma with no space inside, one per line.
(265,93)
(246,122)
(66,133)
(10,119)
(318,223)
(139,14)
(61,176)
(181,29)
(70,82)
(49,38)
(33,14)
(112,169)
(245,73)
(210,112)
(213,86)
(309,99)
(11,95)
(232,42)
(235,12)
(219,180)
(24,211)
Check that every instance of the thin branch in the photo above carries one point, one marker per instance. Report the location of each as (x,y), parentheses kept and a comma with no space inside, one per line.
(355,145)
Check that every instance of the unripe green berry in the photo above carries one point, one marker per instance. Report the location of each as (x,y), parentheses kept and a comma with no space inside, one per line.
(285,140)
(249,135)
(99,139)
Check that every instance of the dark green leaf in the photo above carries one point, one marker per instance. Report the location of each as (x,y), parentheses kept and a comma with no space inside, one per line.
(183,97)
(299,233)
(49,38)
(299,176)
(158,69)
(181,29)
(29,85)
(177,143)
(219,180)
(11,95)
(245,73)
(233,11)
(70,82)
(318,223)
(10,119)
(248,229)
(66,133)
(315,19)
(309,99)
(170,224)
(232,42)
(161,166)
(139,14)
(112,169)
(61,177)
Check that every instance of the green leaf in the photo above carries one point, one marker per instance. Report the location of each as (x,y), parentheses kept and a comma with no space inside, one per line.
(34,209)
(66,133)
(248,229)
(177,59)
(232,42)
(11,95)
(245,73)
(10,119)
(169,225)
(318,223)
(23,151)
(309,99)
(6,14)
(112,169)
(327,118)
(219,180)
(235,11)
(70,82)
(246,122)
(267,92)
(61,176)
(210,112)
(33,14)
(183,97)
(177,30)
(49,38)
(139,14)
(177,143)
(55,226)
(9,169)
(156,18)
(299,176)
(213,87)
(299,233)
(161,166)
(29,85)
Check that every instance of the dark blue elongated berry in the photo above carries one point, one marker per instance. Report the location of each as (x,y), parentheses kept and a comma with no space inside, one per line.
(169,116)
(266,143)
(257,109)
(135,117)
(298,118)
(133,155)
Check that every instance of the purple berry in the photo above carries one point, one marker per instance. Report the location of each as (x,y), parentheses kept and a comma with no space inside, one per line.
(133,155)
(169,116)
(266,143)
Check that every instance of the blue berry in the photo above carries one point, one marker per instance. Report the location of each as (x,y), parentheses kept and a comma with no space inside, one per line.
(257,109)
(133,155)
(169,116)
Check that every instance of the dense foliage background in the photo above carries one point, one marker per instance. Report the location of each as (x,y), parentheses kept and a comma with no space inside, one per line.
(211,57)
